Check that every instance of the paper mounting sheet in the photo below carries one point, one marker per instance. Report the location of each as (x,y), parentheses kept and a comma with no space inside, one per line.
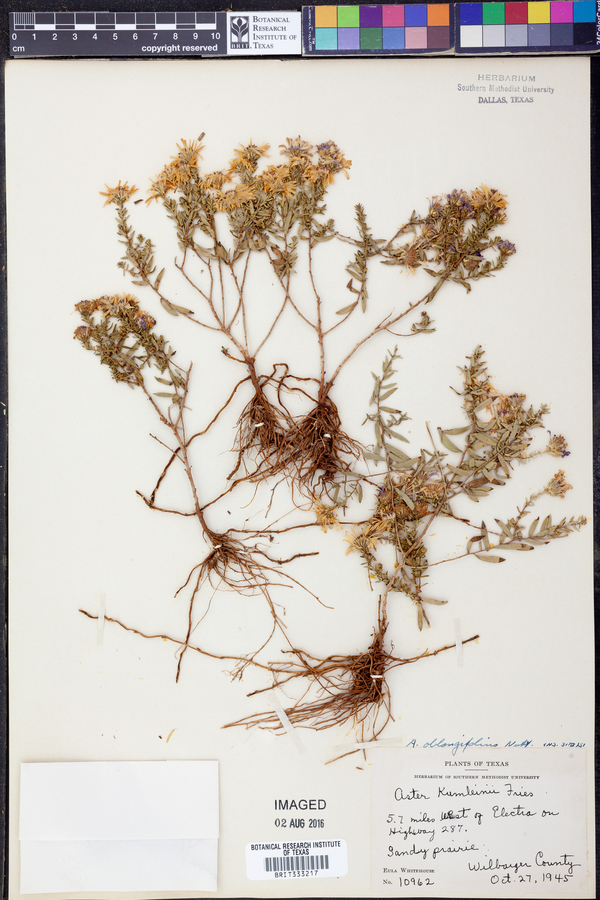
(514,675)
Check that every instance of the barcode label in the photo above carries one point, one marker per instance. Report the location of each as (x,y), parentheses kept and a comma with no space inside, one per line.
(288,863)
(269,860)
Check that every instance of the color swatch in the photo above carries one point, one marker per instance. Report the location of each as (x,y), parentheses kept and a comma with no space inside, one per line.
(511,26)
(552,24)
(385,29)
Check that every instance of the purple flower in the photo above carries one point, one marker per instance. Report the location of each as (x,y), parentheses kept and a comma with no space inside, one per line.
(506,248)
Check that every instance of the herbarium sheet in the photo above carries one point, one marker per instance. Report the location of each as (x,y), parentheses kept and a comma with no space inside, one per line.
(300,478)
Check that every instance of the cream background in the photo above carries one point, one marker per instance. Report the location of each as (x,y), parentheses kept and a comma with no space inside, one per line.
(80,445)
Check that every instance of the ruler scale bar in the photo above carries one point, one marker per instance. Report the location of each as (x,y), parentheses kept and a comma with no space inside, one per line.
(119,21)
(89,34)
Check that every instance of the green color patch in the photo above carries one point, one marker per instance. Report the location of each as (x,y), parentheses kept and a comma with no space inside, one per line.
(371,38)
(348,16)
(493,13)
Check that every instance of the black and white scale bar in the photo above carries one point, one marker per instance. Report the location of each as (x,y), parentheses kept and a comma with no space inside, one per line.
(118,34)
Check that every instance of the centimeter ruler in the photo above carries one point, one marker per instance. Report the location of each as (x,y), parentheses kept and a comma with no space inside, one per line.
(118,34)
(148,34)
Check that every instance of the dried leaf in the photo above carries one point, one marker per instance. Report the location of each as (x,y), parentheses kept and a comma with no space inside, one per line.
(405,463)
(398,437)
(447,442)
(346,309)
(504,465)
(456,430)
(504,528)
(396,453)
(169,307)
(406,499)
(484,532)
(517,545)
(456,471)
(489,558)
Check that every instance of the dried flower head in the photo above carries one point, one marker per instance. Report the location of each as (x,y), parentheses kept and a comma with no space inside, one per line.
(83,333)
(557,445)
(247,157)
(326,515)
(296,149)
(145,320)
(188,153)
(508,407)
(506,248)
(488,199)
(361,540)
(119,194)
(558,485)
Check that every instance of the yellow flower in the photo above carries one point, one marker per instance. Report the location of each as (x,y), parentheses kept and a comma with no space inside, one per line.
(244,192)
(165,182)
(214,180)
(286,189)
(484,197)
(188,154)
(119,194)
(361,541)
(248,156)
(326,516)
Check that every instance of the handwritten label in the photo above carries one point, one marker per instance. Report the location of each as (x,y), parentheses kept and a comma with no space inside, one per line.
(486,823)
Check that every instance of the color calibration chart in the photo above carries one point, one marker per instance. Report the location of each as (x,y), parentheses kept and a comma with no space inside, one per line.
(540,26)
(414,27)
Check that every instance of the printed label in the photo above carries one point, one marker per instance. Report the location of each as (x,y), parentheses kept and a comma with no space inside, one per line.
(296,859)
(264,33)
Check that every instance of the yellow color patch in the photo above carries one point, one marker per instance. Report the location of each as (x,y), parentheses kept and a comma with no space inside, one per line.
(326,17)
(538,13)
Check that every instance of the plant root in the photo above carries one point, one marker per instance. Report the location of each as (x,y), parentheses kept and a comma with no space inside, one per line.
(351,688)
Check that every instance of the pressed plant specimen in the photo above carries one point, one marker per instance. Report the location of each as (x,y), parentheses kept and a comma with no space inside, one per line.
(413,493)
(232,226)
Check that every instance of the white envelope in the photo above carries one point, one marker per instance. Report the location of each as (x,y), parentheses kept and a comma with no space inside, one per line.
(119,826)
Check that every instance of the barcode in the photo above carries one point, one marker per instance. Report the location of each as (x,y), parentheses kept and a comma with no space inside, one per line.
(295,863)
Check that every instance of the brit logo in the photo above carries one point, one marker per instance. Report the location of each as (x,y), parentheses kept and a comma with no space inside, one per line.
(239,30)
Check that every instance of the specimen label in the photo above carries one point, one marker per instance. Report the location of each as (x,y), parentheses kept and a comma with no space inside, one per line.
(485,823)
